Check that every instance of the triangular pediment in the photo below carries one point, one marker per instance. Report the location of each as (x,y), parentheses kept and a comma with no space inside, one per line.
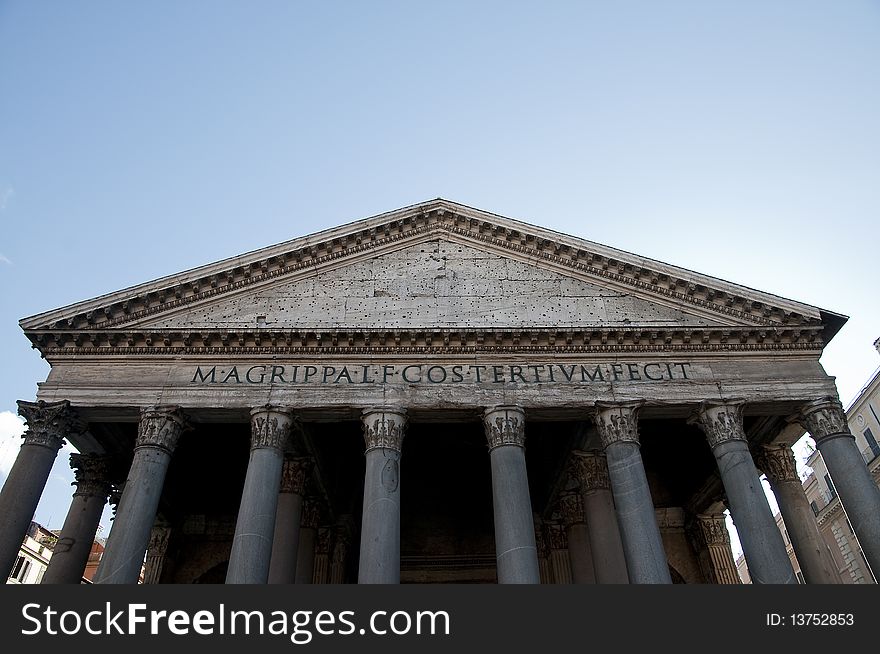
(438,283)
(437,265)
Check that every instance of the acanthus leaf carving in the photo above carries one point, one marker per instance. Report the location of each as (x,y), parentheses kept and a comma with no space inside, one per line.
(161,427)
(617,423)
(505,425)
(824,418)
(721,422)
(49,423)
(384,428)
(270,427)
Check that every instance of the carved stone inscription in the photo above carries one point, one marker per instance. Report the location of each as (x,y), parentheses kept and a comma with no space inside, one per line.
(427,373)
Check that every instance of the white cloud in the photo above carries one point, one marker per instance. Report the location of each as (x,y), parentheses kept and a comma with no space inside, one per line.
(6,195)
(4,259)
(11,429)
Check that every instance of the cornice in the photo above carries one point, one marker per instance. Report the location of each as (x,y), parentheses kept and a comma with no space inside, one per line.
(583,259)
(420,341)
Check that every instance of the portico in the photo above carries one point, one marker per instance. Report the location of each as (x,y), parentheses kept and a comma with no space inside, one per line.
(425,396)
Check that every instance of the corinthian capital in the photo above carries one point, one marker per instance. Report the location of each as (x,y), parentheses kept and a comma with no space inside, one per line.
(270,427)
(48,423)
(618,423)
(384,427)
(161,427)
(591,471)
(713,529)
(311,514)
(294,474)
(824,418)
(571,507)
(505,425)
(777,462)
(720,421)
(92,475)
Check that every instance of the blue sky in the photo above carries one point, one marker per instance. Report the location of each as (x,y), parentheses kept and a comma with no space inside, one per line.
(740,140)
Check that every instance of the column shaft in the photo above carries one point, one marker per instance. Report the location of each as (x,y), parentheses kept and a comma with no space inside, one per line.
(384,430)
(305,557)
(761,541)
(646,559)
(308,539)
(859,494)
(288,515)
(380,538)
(255,527)
(71,552)
(48,424)
(285,543)
(516,552)
(580,554)
(817,566)
(609,562)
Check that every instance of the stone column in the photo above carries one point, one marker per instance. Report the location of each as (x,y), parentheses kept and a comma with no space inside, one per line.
(384,429)
(761,541)
(515,550)
(255,526)
(160,534)
(609,563)
(308,536)
(777,462)
(341,544)
(545,571)
(714,537)
(71,552)
(642,544)
(580,555)
(859,494)
(158,433)
(322,557)
(560,562)
(288,514)
(48,423)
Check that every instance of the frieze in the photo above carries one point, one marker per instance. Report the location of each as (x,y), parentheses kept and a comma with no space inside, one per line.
(270,427)
(384,428)
(824,418)
(161,427)
(505,425)
(48,423)
(721,422)
(436,374)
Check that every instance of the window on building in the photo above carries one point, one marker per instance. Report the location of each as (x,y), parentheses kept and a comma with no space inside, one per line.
(20,569)
(815,507)
(872,442)
(831,488)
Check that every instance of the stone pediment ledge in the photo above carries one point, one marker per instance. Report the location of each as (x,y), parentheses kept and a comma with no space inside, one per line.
(753,319)
(420,341)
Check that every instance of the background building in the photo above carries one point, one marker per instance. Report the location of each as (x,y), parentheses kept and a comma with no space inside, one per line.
(863,419)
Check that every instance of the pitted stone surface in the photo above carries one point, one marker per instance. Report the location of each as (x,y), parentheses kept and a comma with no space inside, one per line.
(434,284)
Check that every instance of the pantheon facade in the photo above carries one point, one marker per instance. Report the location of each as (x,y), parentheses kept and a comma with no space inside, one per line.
(437,394)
